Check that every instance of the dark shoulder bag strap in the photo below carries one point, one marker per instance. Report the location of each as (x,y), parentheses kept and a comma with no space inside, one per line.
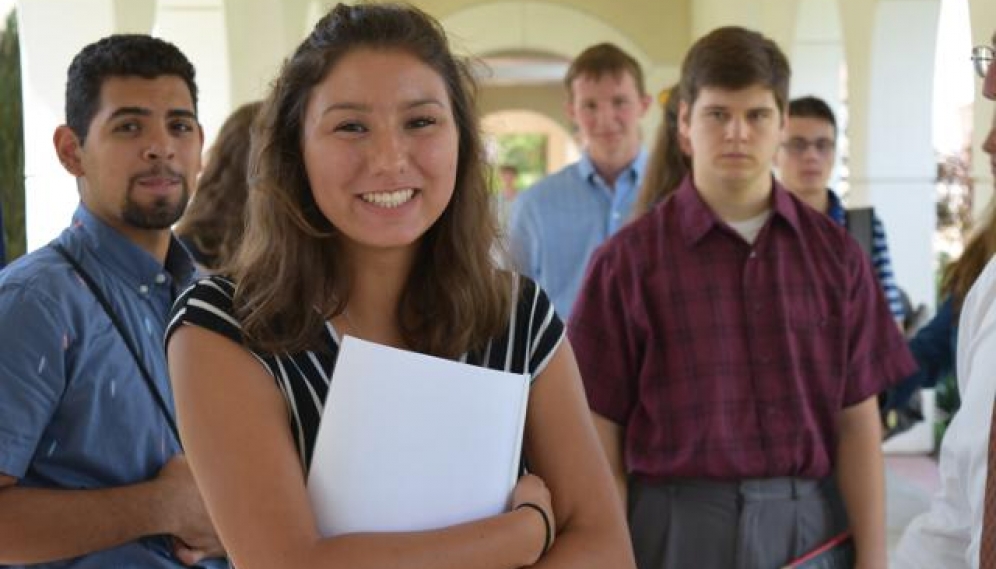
(859,225)
(149,382)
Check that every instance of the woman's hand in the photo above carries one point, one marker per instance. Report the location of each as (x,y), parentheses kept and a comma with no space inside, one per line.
(530,493)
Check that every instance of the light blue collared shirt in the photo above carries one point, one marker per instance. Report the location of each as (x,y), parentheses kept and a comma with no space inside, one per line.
(75,412)
(558,222)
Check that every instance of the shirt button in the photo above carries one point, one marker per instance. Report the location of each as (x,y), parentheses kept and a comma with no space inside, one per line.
(753,254)
(160,278)
(143,289)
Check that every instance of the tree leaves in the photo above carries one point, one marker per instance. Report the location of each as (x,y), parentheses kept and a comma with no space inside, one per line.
(11,140)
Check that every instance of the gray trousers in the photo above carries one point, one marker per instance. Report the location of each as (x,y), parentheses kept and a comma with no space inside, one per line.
(751,524)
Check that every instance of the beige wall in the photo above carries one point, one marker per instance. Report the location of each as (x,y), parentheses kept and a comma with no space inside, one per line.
(564,29)
(659,27)
(547,100)
(561,148)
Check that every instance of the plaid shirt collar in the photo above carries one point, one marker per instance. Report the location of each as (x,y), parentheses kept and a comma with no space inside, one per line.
(701,218)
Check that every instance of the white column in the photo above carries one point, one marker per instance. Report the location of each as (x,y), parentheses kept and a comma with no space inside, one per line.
(817,57)
(899,158)
(261,33)
(51,33)
(817,54)
(50,192)
(198,28)
(131,17)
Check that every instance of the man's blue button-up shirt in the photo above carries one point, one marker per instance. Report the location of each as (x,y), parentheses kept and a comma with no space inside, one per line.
(75,412)
(558,222)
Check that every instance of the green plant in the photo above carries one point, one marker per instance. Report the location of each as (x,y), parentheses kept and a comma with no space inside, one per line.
(11,140)
(525,151)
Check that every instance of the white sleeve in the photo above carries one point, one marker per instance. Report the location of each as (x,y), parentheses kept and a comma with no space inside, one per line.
(977,382)
(940,536)
(948,534)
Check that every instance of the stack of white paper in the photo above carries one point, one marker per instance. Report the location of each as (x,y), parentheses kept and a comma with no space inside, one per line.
(412,442)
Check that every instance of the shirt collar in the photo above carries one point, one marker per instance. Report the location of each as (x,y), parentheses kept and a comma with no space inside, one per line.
(635,169)
(128,259)
(698,218)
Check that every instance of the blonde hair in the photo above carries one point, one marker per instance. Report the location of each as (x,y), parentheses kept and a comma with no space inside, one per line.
(668,164)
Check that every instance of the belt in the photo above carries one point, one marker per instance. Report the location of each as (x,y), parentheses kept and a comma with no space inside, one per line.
(748,490)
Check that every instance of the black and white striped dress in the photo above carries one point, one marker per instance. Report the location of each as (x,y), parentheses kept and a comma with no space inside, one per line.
(533,334)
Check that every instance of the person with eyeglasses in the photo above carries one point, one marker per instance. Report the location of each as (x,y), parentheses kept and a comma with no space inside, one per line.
(805,161)
(959,529)
(982,56)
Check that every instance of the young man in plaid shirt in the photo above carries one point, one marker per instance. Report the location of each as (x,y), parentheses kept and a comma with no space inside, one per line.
(733,342)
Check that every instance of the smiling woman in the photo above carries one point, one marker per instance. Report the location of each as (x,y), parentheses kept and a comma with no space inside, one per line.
(380,149)
(369,215)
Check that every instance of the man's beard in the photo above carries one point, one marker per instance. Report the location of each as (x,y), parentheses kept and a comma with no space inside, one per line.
(160,214)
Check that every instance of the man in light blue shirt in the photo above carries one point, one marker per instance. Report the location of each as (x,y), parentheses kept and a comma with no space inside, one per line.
(91,472)
(557,223)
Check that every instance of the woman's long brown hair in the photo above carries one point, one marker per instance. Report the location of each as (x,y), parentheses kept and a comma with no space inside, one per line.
(960,275)
(214,222)
(290,272)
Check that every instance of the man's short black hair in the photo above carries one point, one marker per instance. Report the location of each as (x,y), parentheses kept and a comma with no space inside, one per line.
(119,55)
(812,108)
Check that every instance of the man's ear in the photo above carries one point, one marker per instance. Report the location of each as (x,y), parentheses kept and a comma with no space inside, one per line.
(645,102)
(685,145)
(683,111)
(684,141)
(569,109)
(69,150)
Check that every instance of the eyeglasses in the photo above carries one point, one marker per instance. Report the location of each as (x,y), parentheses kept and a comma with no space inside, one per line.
(982,57)
(797,146)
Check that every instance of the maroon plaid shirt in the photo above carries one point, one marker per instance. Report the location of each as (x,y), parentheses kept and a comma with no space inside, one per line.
(727,360)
